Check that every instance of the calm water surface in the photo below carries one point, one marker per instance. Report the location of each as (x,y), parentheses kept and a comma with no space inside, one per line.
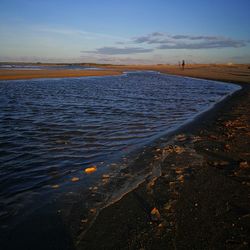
(52,129)
(49,67)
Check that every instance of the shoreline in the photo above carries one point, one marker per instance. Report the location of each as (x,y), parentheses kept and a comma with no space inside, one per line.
(182,182)
(195,187)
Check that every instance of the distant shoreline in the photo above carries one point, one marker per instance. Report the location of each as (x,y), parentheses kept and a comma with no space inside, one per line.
(238,73)
(15,74)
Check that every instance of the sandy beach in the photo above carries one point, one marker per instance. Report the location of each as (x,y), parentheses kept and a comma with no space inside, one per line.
(200,199)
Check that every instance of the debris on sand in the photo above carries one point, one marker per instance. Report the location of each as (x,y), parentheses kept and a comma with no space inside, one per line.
(181,138)
(90,170)
(178,149)
(155,214)
(244,165)
(74,179)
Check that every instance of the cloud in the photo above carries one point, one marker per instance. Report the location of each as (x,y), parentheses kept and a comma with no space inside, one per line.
(163,41)
(118,51)
(166,41)
(204,45)
(121,43)
(154,38)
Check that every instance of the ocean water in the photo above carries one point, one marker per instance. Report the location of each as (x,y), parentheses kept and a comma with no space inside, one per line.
(52,129)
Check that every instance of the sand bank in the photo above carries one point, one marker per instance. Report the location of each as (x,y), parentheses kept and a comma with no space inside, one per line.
(232,73)
(6,74)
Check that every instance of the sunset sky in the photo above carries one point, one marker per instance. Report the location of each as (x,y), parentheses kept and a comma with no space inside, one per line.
(132,31)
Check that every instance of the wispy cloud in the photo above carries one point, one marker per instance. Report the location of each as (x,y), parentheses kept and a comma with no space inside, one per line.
(166,41)
(204,45)
(118,51)
(77,32)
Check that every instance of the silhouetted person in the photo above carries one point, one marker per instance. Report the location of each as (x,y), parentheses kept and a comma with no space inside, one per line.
(183,64)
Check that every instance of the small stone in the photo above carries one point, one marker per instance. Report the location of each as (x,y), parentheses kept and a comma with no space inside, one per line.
(92,210)
(244,165)
(55,186)
(74,179)
(181,178)
(161,225)
(178,171)
(105,176)
(168,206)
(93,188)
(196,138)
(179,150)
(172,184)
(90,170)
(155,214)
(181,138)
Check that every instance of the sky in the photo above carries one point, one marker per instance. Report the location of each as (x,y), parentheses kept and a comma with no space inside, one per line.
(125,31)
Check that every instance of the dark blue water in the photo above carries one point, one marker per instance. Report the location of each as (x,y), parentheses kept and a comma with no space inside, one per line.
(52,129)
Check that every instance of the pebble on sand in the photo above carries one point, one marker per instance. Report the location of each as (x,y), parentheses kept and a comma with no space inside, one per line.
(244,165)
(74,179)
(155,214)
(178,149)
(181,178)
(181,138)
(92,210)
(84,220)
(105,176)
